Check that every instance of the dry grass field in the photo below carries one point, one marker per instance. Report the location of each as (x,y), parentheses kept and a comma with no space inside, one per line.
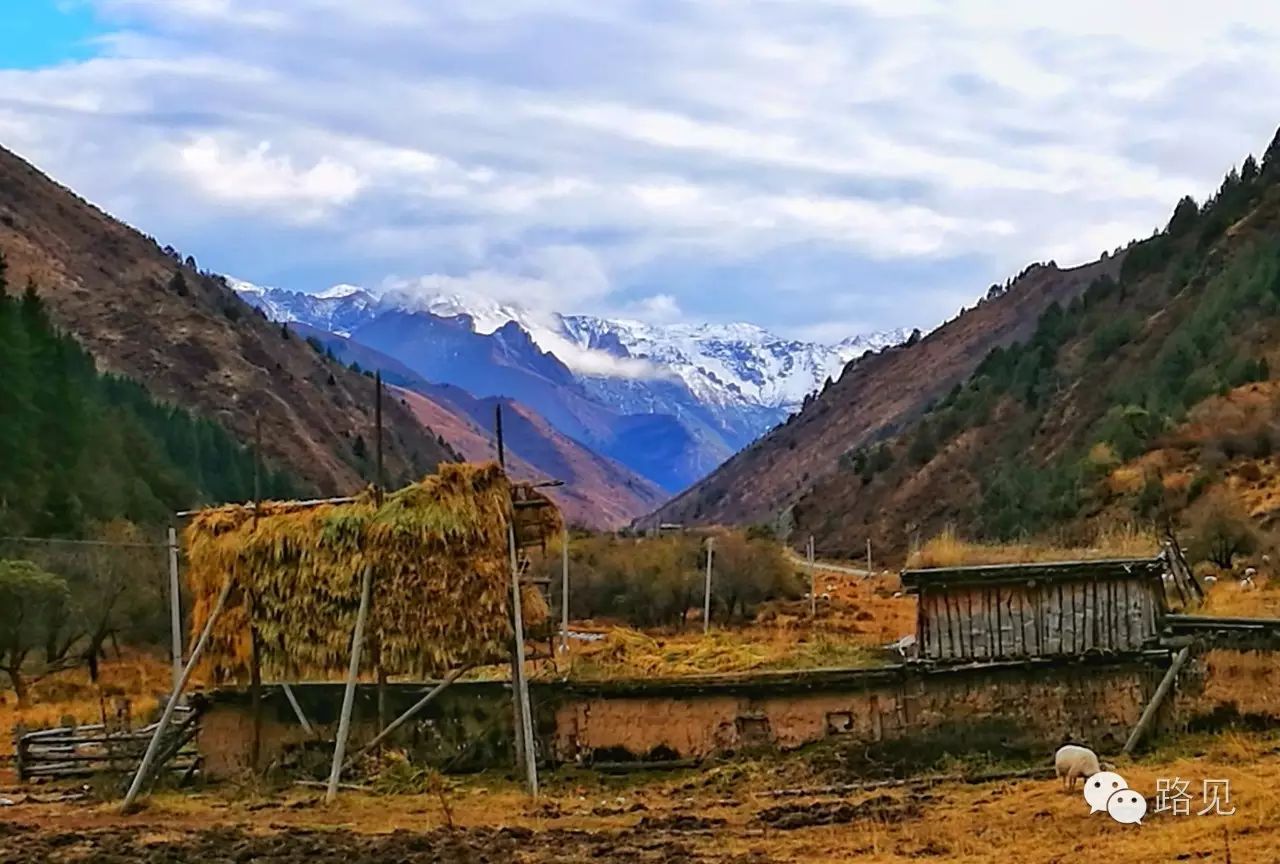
(720,814)
(949,550)
(128,691)
(855,619)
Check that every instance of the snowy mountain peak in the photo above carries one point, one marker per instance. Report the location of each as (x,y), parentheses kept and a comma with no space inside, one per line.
(338,292)
(746,377)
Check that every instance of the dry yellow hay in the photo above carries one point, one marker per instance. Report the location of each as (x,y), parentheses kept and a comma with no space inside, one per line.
(437,552)
(949,550)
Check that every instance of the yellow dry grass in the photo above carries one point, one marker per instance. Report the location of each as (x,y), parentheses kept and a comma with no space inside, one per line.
(134,685)
(437,552)
(855,617)
(1125,540)
(1028,821)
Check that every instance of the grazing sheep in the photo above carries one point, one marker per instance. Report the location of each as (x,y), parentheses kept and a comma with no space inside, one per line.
(1246,584)
(1073,762)
(1250,572)
(1210,579)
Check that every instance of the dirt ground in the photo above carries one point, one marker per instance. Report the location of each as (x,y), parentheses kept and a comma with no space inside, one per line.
(725,814)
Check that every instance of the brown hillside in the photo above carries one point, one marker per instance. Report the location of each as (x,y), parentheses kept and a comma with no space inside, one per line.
(1149,398)
(877,396)
(191,341)
(598,492)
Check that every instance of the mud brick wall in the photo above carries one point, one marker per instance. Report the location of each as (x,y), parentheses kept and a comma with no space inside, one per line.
(1014,706)
(1007,707)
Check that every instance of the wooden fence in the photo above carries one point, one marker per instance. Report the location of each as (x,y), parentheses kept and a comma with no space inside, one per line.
(83,751)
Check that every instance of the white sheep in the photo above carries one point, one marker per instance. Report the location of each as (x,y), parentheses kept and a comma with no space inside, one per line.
(1209,579)
(1073,762)
(1250,572)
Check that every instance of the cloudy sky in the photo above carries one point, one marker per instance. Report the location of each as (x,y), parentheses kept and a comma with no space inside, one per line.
(822,168)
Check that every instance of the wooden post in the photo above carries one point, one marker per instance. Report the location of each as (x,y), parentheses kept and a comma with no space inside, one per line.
(868,557)
(1149,713)
(564,590)
(153,747)
(255,642)
(520,684)
(706,591)
(380,672)
(813,582)
(297,710)
(497,431)
(175,608)
(349,693)
(20,752)
(408,715)
(255,689)
(377,434)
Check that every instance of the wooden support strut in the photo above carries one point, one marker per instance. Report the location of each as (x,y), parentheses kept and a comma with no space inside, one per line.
(519,683)
(153,747)
(297,710)
(407,715)
(1149,713)
(349,693)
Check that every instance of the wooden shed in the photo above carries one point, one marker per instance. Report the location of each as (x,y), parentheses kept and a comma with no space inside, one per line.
(1006,611)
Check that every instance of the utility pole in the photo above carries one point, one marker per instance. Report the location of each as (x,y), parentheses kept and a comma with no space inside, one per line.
(175,608)
(706,597)
(813,582)
(564,590)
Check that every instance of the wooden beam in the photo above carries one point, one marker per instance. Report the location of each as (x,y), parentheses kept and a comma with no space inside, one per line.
(1149,713)
(519,683)
(153,747)
(297,710)
(408,715)
(349,693)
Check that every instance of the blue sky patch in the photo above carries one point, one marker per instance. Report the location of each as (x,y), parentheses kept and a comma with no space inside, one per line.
(37,33)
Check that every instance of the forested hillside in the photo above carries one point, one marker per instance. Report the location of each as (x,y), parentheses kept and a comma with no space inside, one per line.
(81,447)
(1149,395)
(149,314)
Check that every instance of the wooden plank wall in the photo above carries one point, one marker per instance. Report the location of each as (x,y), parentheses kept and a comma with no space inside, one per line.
(997,622)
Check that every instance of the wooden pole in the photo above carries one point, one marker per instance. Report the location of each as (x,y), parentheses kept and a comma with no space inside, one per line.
(497,431)
(521,684)
(408,715)
(175,608)
(706,591)
(813,582)
(257,463)
(297,710)
(1149,713)
(564,590)
(377,434)
(255,642)
(153,747)
(868,556)
(349,693)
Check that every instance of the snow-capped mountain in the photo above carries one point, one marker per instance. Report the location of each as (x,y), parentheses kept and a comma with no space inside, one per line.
(729,364)
(723,385)
(338,309)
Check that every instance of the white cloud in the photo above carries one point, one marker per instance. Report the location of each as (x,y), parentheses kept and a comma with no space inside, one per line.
(580,155)
(255,176)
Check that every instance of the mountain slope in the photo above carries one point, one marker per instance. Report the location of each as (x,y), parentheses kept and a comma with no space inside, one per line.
(874,398)
(1148,396)
(192,341)
(598,492)
(702,392)
(82,449)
